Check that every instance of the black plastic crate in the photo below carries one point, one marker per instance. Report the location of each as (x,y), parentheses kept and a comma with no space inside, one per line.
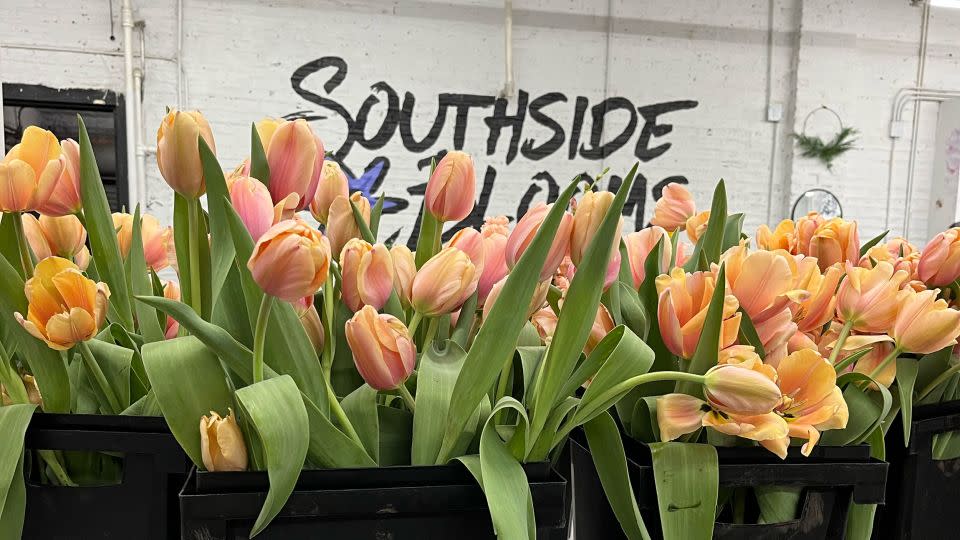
(142,506)
(923,494)
(832,477)
(390,502)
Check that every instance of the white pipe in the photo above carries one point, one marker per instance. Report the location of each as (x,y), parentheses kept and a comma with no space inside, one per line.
(138,76)
(921,67)
(181,78)
(776,125)
(77,50)
(126,22)
(3,143)
(508,84)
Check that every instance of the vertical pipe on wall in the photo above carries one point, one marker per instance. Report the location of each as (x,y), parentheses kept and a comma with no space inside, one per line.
(776,124)
(508,83)
(138,76)
(181,78)
(3,143)
(126,22)
(915,130)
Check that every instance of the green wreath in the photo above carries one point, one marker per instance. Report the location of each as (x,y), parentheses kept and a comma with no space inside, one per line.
(826,152)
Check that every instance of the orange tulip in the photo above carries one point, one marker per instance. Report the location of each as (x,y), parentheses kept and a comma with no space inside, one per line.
(469,241)
(696,225)
(834,241)
(452,187)
(867,298)
(940,259)
(679,414)
(682,308)
(30,170)
(295,155)
(806,228)
(924,324)
(367,274)
(404,270)
(61,236)
(171,291)
(443,283)
(494,233)
(341,224)
(65,198)
(65,307)
(221,443)
(291,260)
(783,237)
(178,151)
(333,183)
(158,247)
(640,244)
(383,351)
(674,207)
(818,308)
(591,210)
(525,231)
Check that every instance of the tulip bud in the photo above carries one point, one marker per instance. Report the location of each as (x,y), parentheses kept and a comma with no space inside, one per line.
(367,274)
(291,260)
(178,151)
(221,443)
(940,259)
(494,233)
(674,207)
(924,324)
(65,235)
(835,241)
(171,291)
(158,248)
(525,231)
(591,210)
(640,244)
(404,270)
(251,199)
(740,390)
(39,244)
(383,351)
(310,320)
(333,184)
(443,283)
(295,155)
(65,197)
(33,392)
(341,223)
(696,225)
(868,297)
(452,187)
(469,241)
(537,301)
(29,171)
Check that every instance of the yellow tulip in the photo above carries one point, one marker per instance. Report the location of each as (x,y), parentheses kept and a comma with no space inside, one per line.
(178,151)
(29,171)
(221,443)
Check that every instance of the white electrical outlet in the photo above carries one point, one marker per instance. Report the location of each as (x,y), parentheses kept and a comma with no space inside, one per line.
(774,112)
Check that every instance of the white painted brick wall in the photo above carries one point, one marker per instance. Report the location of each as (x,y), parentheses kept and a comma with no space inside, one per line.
(852,55)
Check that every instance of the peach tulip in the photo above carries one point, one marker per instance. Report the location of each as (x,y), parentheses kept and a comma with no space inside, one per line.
(834,241)
(33,392)
(602,325)
(62,236)
(494,233)
(310,320)
(443,283)
(404,270)
(333,183)
(65,198)
(37,240)
(741,389)
(696,225)
(470,241)
(525,231)
(171,291)
(383,351)
(940,259)
(30,170)
(64,306)
(251,199)
(684,251)
(178,151)
(805,228)
(291,260)
(158,247)
(295,155)
(784,237)
(867,298)
(924,324)
(674,207)
(367,274)
(817,308)
(679,414)
(640,244)
(545,322)
(682,308)
(869,362)
(341,223)
(590,212)
(452,187)
(537,301)
(221,443)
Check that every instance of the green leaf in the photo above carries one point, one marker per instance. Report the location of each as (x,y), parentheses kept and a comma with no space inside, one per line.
(930,367)
(14,420)
(860,517)
(643,424)
(361,409)
(705,355)
(649,299)
(259,167)
(277,412)
(436,378)
(631,310)
(188,382)
(687,478)
(749,335)
(365,231)
(867,410)
(230,311)
(396,425)
(609,458)
(711,242)
(777,503)
(221,241)
(9,244)
(906,378)
(147,321)
(497,338)
(375,213)
(100,231)
(182,241)
(873,241)
(732,231)
(115,362)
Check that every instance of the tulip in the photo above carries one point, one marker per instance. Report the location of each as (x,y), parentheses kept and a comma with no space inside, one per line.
(383,350)
(682,307)
(251,199)
(367,274)
(640,244)
(221,443)
(64,306)
(404,270)
(684,250)
(452,187)
(178,151)
(537,301)
(295,155)
(65,198)
(37,240)
(674,207)
(341,223)
(494,233)
(696,225)
(737,389)
(158,247)
(545,322)
(806,228)
(61,236)
(33,392)
(817,309)
(613,269)
(525,231)
(310,320)
(870,362)
(679,414)
(602,325)
(867,298)
(469,241)
(171,291)
(333,183)
(30,170)
(834,241)
(443,283)
(590,212)
(924,324)
(783,237)
(940,259)
(291,260)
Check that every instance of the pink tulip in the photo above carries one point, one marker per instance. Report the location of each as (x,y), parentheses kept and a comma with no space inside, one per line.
(525,231)
(158,247)
(940,259)
(469,241)
(295,155)
(367,274)
(640,244)
(674,208)
(452,187)
(537,301)
(404,270)
(65,198)
(443,283)
(291,260)
(253,204)
(494,232)
(383,351)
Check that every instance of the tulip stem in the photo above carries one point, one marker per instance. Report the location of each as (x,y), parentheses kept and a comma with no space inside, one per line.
(942,378)
(193,222)
(330,342)
(407,397)
(26,259)
(838,346)
(341,416)
(50,457)
(414,323)
(260,337)
(431,332)
(11,380)
(93,368)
